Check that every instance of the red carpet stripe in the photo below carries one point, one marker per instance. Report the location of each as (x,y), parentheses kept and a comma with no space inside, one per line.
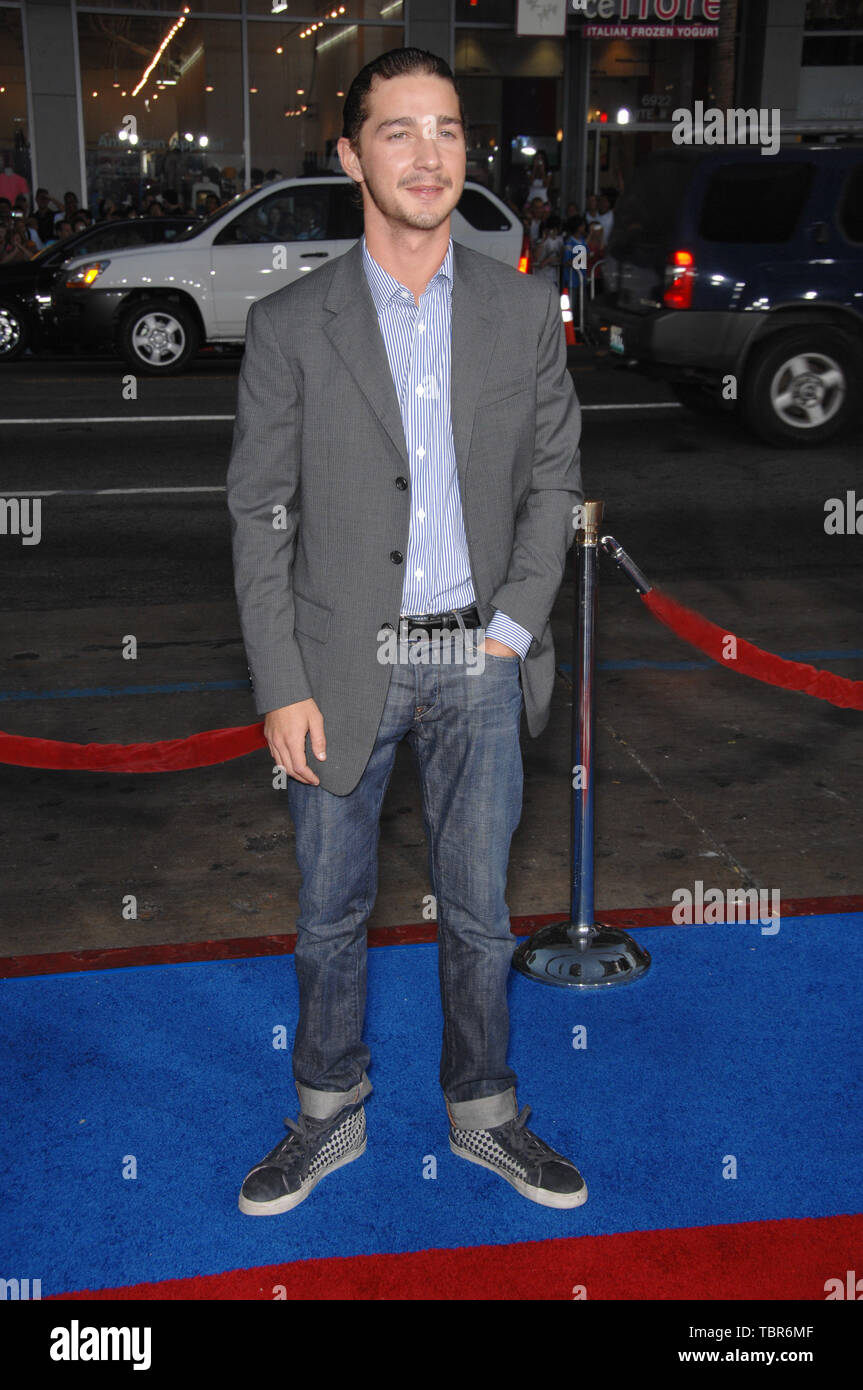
(237,947)
(789,1259)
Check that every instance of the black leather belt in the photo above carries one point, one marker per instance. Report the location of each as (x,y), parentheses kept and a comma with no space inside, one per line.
(433,622)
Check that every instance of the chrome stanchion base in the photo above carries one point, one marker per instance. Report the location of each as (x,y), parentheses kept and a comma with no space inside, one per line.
(574,957)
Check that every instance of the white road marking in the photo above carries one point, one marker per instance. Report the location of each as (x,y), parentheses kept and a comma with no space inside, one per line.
(172,419)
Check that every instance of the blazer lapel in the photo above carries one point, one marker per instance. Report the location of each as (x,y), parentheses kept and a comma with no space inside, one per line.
(356,335)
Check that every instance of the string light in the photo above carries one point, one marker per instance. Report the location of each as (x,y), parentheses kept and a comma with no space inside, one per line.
(175,28)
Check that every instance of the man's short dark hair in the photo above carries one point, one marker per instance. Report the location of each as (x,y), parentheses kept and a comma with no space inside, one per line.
(397,62)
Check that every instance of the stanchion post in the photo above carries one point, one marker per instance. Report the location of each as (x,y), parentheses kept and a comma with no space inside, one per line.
(580,953)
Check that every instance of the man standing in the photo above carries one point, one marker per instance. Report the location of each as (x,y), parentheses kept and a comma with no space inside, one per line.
(404,470)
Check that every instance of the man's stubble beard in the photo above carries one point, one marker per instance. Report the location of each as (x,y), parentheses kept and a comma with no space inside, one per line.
(424,219)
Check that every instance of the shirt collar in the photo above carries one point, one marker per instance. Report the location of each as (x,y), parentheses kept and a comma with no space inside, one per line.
(384,287)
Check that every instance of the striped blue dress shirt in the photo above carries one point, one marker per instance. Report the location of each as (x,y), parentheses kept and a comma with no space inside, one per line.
(418,340)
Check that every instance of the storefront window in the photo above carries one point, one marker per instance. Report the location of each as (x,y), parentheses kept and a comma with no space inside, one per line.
(297,91)
(834,14)
(175,130)
(14,147)
(513,95)
(635,87)
(172,9)
(486,11)
(328,15)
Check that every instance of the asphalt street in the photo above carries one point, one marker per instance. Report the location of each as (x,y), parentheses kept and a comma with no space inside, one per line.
(702,774)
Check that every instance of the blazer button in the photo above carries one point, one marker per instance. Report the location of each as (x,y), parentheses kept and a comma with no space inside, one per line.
(396,557)
(401,484)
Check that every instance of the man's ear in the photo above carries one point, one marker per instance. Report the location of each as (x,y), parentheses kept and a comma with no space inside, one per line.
(348,158)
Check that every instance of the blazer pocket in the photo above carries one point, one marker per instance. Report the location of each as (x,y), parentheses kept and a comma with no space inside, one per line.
(502,390)
(310,618)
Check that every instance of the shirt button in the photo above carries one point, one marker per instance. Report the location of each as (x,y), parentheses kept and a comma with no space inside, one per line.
(419,390)
(421,516)
(401,484)
(396,557)
(421,453)
(421,328)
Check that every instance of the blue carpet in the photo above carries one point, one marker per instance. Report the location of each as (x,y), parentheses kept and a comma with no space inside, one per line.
(733,1044)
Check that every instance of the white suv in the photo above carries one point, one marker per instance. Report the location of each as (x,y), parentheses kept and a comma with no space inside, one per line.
(160,304)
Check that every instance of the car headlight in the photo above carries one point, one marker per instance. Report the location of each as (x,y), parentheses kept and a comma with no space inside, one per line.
(86,274)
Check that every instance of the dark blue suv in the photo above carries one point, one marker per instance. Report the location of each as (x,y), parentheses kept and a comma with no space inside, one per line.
(738,277)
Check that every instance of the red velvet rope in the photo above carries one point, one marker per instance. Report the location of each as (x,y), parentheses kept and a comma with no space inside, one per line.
(172,755)
(748,660)
(220,745)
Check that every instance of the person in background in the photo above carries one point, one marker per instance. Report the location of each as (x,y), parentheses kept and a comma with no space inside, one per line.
(536,213)
(32,225)
(46,211)
(546,261)
(540,185)
(606,213)
(70,208)
(591,208)
(18,246)
(595,249)
(575,229)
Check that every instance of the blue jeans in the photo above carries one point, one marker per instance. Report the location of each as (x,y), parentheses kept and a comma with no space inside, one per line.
(461,716)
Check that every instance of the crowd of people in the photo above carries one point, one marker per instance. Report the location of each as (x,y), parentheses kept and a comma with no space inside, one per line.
(554,239)
(27,226)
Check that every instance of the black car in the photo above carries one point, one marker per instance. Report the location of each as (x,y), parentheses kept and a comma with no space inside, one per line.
(738,277)
(26,311)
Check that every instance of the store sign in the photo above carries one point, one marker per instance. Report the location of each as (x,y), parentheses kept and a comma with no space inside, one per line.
(547,17)
(646,19)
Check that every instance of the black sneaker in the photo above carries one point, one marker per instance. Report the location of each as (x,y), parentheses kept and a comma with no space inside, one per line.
(535,1170)
(313,1148)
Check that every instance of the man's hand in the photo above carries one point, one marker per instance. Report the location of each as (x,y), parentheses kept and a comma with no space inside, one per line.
(491,644)
(285,731)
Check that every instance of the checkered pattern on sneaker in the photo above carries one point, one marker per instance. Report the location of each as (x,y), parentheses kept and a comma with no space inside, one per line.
(482,1144)
(298,1162)
(530,1165)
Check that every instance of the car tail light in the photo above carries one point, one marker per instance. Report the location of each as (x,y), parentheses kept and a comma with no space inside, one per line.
(679,280)
(524,261)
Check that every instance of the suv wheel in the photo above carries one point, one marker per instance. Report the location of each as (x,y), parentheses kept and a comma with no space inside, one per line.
(13,334)
(158,337)
(798,386)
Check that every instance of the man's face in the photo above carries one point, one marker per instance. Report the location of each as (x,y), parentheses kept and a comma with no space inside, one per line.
(41,201)
(412,150)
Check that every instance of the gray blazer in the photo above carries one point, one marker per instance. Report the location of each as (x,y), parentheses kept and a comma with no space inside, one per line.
(317,516)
